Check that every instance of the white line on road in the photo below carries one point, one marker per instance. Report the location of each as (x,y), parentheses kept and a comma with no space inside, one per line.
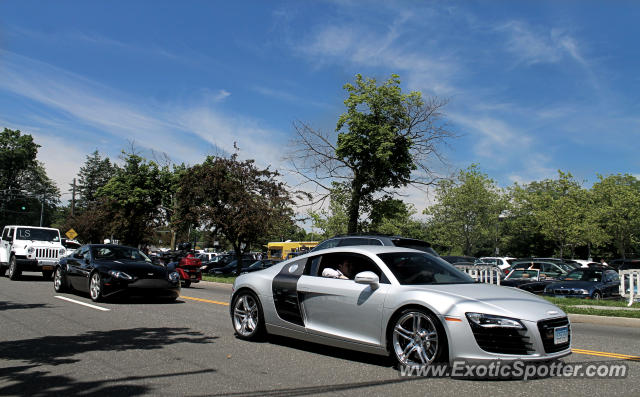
(64,298)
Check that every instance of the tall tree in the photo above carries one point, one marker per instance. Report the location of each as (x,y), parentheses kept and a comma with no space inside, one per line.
(467,211)
(617,199)
(239,200)
(558,209)
(94,174)
(26,192)
(132,198)
(385,140)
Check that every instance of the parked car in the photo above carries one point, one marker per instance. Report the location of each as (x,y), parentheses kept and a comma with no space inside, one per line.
(547,269)
(401,302)
(231,267)
(259,265)
(625,264)
(106,270)
(533,281)
(593,282)
(375,239)
(453,259)
(502,262)
(69,246)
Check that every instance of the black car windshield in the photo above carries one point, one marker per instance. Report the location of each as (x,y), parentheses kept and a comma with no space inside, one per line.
(27,233)
(414,268)
(119,253)
(584,275)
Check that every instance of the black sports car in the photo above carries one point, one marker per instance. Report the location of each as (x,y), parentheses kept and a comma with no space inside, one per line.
(104,270)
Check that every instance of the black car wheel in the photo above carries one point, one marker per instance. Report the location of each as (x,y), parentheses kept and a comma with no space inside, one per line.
(95,287)
(46,274)
(596,296)
(416,338)
(248,319)
(14,272)
(60,281)
(3,270)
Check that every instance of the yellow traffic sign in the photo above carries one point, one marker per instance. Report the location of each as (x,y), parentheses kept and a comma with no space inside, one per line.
(71,234)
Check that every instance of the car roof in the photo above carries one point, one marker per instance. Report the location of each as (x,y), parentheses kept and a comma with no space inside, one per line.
(34,227)
(361,249)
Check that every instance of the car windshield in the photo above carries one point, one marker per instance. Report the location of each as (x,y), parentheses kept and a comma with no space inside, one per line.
(27,233)
(119,253)
(524,274)
(584,275)
(414,268)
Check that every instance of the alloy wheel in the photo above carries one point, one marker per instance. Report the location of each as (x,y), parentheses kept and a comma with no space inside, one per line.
(415,339)
(246,316)
(95,287)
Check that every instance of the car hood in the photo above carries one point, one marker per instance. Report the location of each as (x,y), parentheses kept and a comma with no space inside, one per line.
(493,299)
(574,284)
(134,268)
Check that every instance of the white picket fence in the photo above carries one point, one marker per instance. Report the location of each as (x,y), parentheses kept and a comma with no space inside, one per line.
(482,273)
(629,279)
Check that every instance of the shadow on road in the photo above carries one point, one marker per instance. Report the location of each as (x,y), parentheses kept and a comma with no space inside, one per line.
(16,306)
(56,350)
(27,382)
(325,350)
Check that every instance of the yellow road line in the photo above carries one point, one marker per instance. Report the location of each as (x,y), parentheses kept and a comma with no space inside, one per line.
(204,300)
(606,354)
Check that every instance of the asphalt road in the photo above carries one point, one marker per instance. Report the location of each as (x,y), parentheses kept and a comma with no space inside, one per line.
(52,346)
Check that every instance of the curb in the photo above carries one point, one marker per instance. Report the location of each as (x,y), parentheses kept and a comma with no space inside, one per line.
(217,284)
(605,320)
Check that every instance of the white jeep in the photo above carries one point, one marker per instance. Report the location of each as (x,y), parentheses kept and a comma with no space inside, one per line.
(29,248)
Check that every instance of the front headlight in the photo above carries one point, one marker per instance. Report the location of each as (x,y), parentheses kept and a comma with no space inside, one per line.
(62,251)
(31,250)
(491,321)
(119,274)
(174,277)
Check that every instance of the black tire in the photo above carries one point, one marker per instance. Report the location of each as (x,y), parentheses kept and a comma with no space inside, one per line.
(186,284)
(247,316)
(46,274)
(421,343)
(596,296)
(3,270)
(60,281)
(95,287)
(14,271)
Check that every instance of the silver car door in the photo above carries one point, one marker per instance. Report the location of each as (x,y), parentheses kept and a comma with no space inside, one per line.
(343,308)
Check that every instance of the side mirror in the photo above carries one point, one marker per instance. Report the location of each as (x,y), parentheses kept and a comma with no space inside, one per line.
(369,278)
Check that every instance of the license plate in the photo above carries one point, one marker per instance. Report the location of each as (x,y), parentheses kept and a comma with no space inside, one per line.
(47,267)
(560,335)
(194,277)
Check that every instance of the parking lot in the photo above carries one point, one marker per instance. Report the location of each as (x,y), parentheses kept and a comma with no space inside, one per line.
(64,344)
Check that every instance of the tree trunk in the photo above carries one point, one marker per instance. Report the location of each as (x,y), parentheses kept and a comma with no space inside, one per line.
(354,207)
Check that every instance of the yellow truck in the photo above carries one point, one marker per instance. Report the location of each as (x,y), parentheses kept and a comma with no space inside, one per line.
(287,249)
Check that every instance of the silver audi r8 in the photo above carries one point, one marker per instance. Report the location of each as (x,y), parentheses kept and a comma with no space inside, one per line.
(405,303)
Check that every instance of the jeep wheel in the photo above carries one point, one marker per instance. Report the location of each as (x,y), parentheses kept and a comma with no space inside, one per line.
(46,274)
(14,272)
(3,270)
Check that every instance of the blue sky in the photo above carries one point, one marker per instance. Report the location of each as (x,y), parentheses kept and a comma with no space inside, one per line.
(533,86)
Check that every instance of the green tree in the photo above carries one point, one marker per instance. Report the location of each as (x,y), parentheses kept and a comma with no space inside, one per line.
(385,140)
(558,209)
(25,189)
(617,200)
(132,199)
(94,174)
(237,199)
(467,211)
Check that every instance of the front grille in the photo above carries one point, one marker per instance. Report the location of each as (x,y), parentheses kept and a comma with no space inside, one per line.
(502,340)
(546,328)
(47,253)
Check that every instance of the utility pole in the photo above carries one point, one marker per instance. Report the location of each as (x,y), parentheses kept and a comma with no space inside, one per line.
(73,197)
